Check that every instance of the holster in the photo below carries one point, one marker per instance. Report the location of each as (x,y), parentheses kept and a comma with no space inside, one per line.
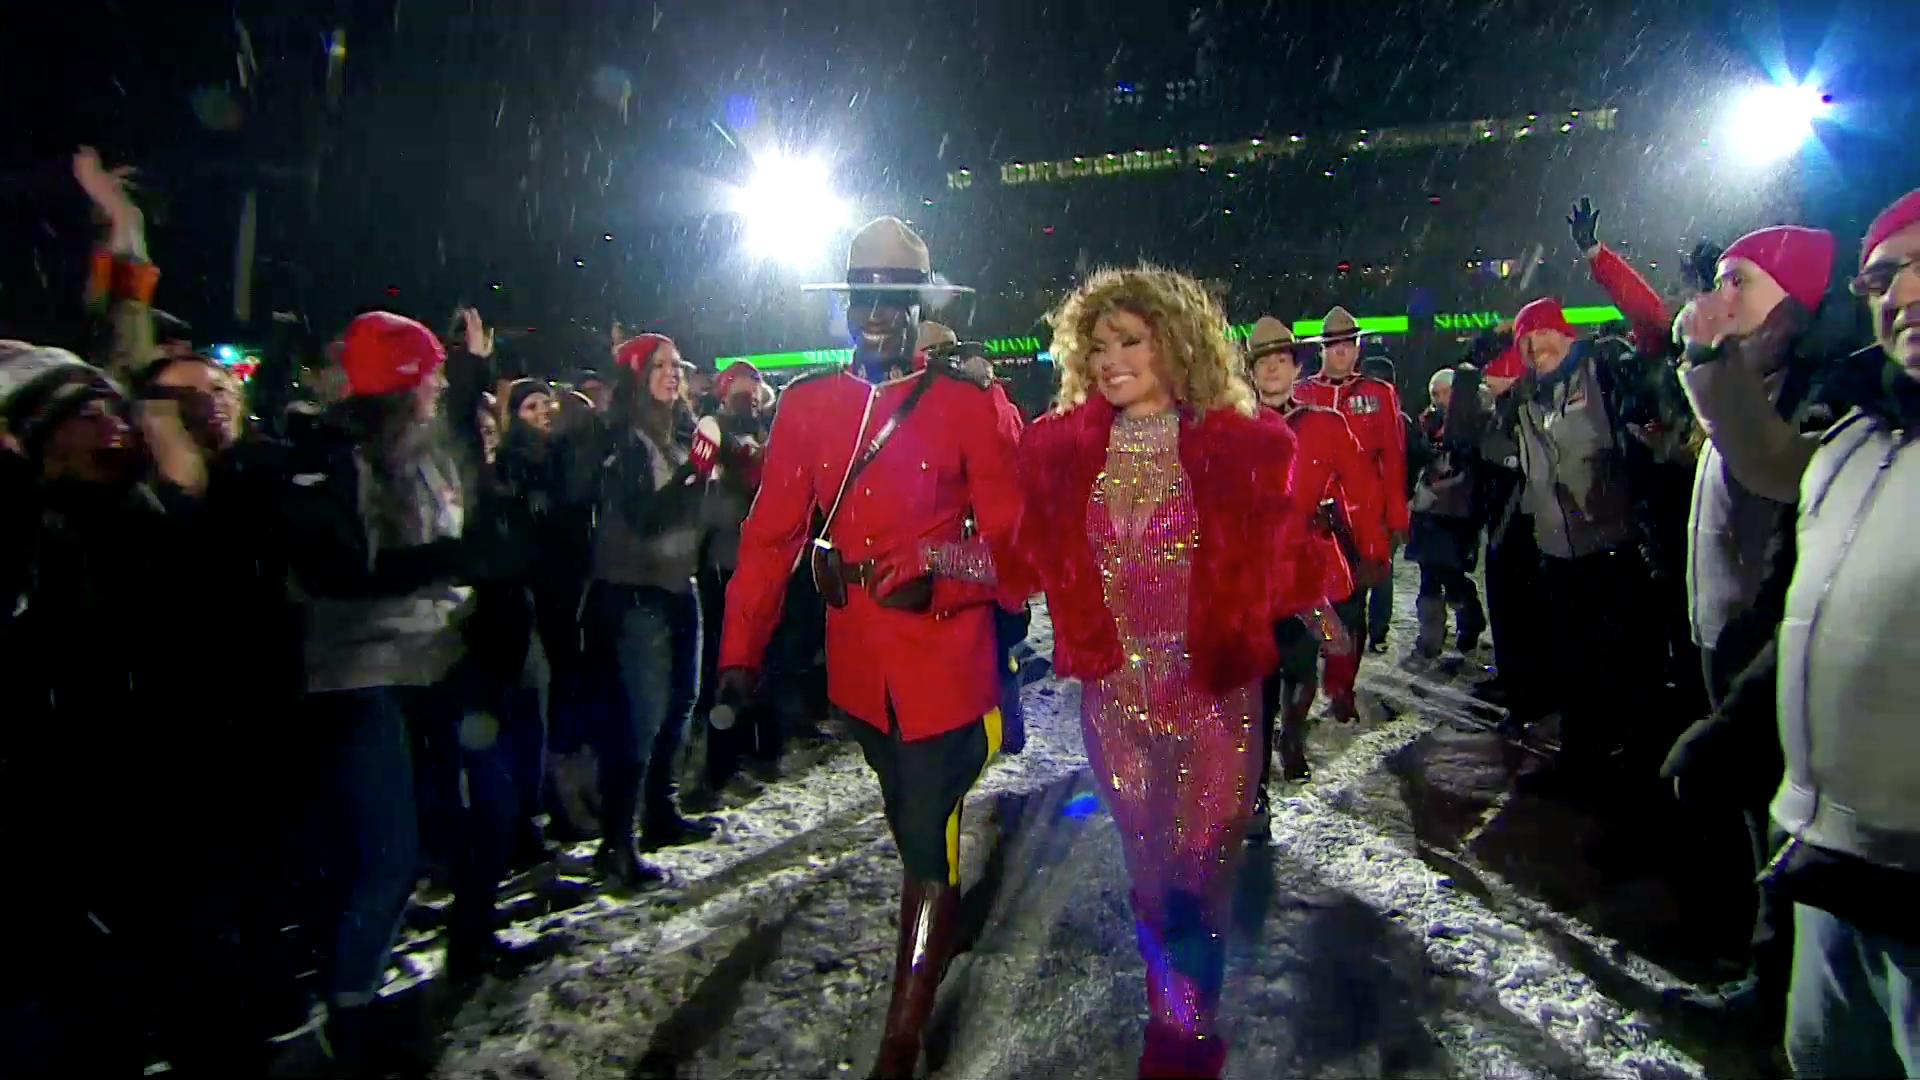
(834,577)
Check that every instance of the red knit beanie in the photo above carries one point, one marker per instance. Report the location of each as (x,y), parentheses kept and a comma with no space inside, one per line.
(1799,259)
(384,353)
(737,373)
(635,354)
(1904,212)
(1543,314)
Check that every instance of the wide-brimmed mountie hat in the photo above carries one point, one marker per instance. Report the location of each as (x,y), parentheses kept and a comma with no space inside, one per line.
(1338,326)
(1269,336)
(888,256)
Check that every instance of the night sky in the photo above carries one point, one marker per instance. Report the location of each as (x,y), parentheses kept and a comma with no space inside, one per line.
(468,144)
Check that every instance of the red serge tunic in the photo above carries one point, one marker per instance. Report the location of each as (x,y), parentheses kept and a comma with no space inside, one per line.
(1247,572)
(952,458)
(1371,407)
(1330,464)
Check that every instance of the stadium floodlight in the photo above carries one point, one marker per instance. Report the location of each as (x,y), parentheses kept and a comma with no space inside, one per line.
(1772,122)
(789,210)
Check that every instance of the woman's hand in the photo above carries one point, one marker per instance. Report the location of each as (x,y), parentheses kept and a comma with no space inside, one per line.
(479,335)
(1706,320)
(176,456)
(108,190)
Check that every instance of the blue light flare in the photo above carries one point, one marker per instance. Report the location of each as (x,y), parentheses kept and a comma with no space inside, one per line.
(1081,806)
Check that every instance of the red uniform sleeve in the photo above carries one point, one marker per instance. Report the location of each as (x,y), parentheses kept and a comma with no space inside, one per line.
(1011,422)
(1648,315)
(1359,486)
(989,451)
(1393,464)
(1296,571)
(771,540)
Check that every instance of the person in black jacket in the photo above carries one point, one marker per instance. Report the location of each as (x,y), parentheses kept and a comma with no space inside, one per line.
(642,624)
(378,502)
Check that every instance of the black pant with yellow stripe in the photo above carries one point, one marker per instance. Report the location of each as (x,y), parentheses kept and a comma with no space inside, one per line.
(922,786)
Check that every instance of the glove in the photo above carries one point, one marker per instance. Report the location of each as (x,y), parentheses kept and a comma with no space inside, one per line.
(732,694)
(1656,566)
(1584,223)
(903,582)
(1700,757)
(1334,639)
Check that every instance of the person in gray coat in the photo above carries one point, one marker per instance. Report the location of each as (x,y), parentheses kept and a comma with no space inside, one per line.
(1846,679)
(1749,327)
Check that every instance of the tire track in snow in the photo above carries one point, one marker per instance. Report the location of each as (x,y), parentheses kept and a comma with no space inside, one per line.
(1463,935)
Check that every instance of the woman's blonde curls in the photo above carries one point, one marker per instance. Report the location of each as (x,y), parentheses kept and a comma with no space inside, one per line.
(1190,332)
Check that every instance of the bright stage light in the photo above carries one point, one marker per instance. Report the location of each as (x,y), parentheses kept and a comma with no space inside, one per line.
(789,209)
(1773,122)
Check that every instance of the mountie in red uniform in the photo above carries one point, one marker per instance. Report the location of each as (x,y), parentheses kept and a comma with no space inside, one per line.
(1331,464)
(867,482)
(1371,408)
(951,459)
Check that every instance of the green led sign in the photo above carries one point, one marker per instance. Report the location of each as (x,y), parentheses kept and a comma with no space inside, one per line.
(1030,345)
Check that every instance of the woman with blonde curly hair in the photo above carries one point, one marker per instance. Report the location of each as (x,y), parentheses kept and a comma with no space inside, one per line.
(1160,522)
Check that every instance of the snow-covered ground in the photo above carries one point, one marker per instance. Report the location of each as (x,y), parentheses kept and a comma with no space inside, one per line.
(1413,917)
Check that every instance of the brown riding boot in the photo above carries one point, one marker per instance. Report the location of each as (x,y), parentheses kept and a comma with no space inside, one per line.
(929,911)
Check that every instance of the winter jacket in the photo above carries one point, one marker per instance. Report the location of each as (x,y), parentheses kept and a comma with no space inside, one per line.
(1372,408)
(647,501)
(1589,485)
(1247,572)
(383,601)
(1446,501)
(100,662)
(731,495)
(1646,313)
(237,529)
(1329,463)
(1849,648)
(1729,525)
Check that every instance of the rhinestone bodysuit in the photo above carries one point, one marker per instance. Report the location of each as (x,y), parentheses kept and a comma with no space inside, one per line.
(1177,765)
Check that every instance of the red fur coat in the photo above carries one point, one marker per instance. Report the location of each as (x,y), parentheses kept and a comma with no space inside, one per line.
(1246,574)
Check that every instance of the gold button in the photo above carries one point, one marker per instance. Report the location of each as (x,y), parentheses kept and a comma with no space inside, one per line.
(869,493)
(869,541)
(923,466)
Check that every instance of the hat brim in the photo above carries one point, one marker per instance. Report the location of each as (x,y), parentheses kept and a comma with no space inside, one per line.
(1335,339)
(841,286)
(1268,348)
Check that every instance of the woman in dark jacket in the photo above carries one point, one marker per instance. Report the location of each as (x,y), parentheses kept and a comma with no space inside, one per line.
(379,560)
(642,622)
(519,496)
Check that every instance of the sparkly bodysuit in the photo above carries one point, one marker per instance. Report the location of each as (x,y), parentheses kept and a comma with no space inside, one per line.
(1176,764)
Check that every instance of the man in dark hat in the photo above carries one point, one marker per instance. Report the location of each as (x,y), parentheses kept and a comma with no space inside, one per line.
(892,469)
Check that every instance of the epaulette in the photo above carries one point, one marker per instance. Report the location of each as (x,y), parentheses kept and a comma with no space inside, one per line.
(940,366)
